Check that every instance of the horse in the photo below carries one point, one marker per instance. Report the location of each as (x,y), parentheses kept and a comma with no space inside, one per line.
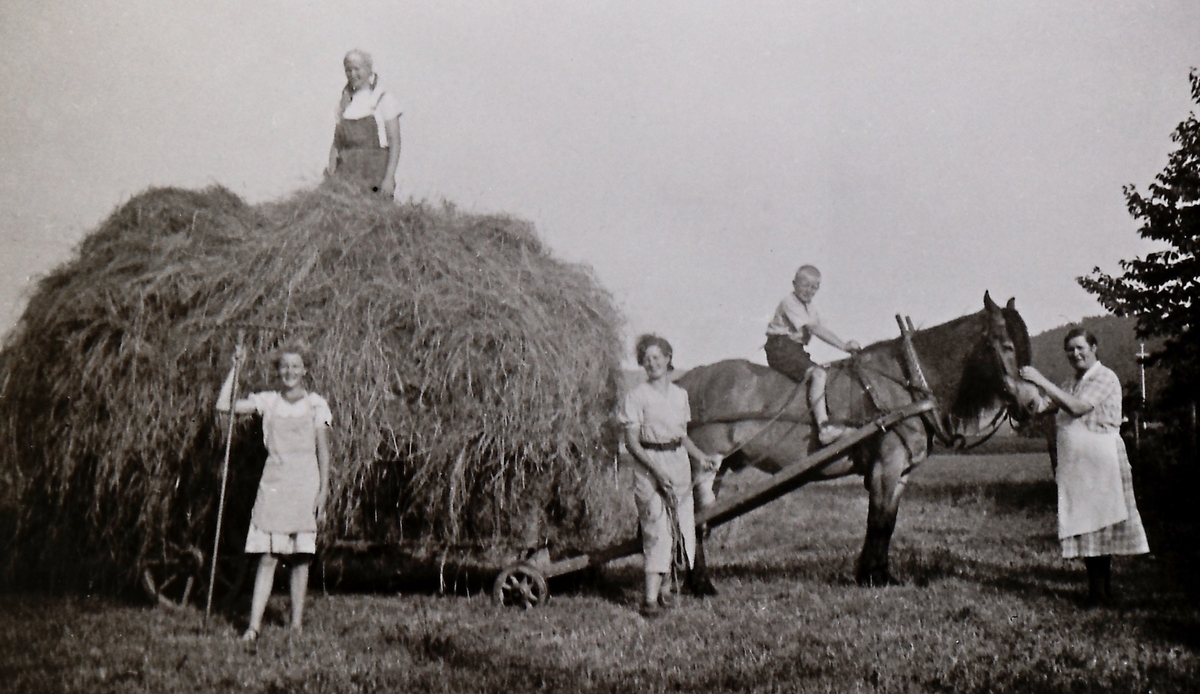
(755,416)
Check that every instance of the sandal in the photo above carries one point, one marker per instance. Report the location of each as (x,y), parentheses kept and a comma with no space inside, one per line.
(250,635)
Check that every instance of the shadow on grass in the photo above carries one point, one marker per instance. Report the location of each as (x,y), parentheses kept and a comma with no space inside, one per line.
(816,561)
(444,659)
(1040,496)
(924,567)
(462,663)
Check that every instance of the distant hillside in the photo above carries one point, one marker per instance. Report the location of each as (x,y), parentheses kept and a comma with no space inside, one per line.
(1118,351)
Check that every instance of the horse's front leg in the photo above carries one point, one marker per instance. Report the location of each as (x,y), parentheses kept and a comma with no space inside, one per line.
(707,486)
(885,480)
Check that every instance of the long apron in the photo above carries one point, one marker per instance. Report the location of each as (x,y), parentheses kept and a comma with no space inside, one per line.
(360,158)
(291,478)
(1090,492)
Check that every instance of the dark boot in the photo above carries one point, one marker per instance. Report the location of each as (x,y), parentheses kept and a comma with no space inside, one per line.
(1106,579)
(1099,581)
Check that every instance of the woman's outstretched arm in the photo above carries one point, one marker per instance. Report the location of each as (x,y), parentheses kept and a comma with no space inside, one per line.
(1062,398)
(242,406)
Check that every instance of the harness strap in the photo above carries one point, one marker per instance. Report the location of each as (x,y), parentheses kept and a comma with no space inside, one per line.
(917,375)
(857,369)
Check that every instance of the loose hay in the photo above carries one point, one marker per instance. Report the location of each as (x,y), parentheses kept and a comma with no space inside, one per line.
(470,373)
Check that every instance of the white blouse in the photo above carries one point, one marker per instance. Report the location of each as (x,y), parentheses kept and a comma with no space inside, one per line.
(375,102)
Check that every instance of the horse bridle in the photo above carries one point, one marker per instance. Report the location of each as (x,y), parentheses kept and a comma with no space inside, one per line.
(934,418)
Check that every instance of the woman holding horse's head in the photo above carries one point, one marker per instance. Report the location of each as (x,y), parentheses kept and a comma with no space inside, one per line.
(1097,514)
(655,416)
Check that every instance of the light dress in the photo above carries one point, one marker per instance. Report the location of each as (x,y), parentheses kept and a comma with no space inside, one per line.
(284,518)
(661,419)
(1097,513)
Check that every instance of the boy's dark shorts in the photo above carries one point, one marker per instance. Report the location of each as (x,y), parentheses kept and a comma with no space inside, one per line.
(788,357)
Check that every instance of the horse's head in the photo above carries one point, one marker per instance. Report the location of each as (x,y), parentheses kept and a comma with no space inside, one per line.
(991,377)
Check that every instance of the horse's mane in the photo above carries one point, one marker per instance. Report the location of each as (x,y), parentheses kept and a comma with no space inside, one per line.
(981,379)
(1020,336)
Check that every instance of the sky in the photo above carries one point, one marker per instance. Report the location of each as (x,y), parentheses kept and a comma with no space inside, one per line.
(694,154)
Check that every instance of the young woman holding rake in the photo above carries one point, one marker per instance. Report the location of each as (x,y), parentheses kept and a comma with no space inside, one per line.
(295,480)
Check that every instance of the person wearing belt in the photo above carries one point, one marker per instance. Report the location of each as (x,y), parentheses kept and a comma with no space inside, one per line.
(1097,514)
(655,416)
(366,141)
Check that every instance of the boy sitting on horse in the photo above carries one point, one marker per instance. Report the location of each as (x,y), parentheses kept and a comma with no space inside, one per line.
(795,322)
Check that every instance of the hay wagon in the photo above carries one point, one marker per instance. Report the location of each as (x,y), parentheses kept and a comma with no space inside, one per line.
(525,583)
(471,375)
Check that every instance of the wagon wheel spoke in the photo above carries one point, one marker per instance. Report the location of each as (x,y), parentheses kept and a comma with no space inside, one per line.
(161,582)
(521,585)
(174,579)
(525,590)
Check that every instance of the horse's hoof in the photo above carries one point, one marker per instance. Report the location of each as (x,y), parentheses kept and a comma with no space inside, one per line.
(701,587)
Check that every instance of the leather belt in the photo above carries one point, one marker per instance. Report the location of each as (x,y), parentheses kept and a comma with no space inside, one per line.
(665,446)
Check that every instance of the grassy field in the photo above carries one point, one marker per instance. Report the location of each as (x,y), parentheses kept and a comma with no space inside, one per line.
(987,606)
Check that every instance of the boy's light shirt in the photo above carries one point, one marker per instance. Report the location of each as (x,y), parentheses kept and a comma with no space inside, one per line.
(792,318)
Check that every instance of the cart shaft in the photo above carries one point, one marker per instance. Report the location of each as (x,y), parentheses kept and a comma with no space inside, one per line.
(802,471)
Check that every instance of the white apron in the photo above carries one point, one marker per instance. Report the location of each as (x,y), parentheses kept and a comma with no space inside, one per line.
(291,476)
(1090,494)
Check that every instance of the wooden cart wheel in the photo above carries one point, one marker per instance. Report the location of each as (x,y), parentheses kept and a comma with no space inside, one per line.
(171,581)
(183,581)
(521,585)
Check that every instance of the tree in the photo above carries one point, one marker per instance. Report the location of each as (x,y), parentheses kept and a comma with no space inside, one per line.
(1163,289)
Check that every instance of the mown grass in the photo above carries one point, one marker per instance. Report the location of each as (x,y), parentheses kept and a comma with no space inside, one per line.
(987,606)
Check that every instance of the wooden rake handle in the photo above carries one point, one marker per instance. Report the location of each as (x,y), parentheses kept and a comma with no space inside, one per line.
(212,578)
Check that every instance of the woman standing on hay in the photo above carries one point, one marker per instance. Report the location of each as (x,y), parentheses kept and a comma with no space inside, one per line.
(1097,514)
(655,416)
(366,142)
(295,479)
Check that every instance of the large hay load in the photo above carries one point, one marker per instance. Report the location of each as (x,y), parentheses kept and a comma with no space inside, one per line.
(471,376)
